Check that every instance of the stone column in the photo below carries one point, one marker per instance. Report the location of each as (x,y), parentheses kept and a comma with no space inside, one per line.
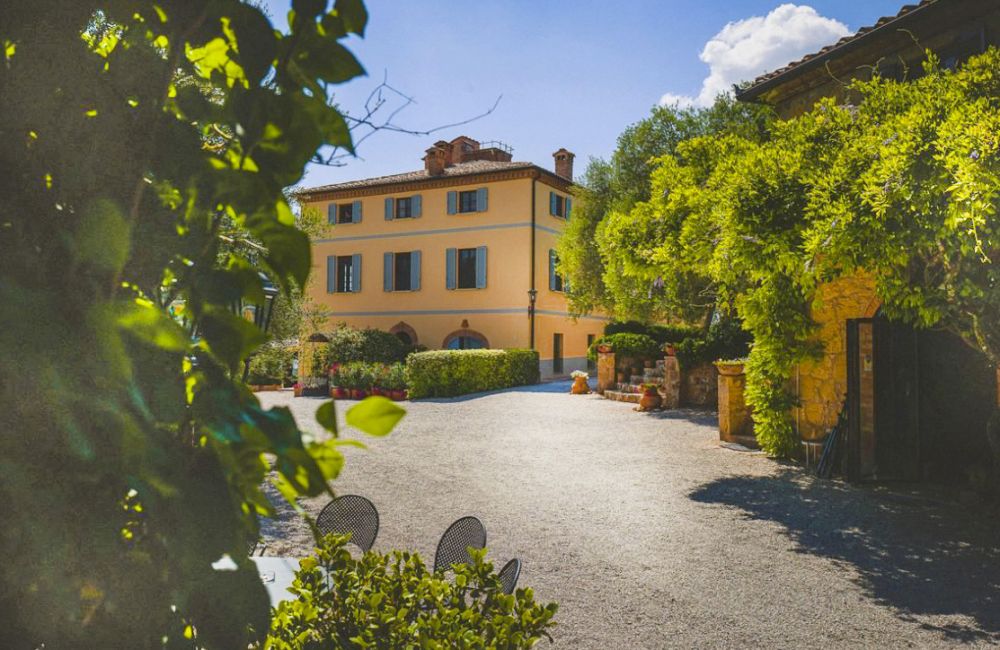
(735,422)
(671,383)
(605,369)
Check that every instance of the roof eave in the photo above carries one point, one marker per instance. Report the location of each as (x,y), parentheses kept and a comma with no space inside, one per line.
(754,92)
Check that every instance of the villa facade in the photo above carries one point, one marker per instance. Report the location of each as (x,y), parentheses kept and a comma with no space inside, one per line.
(457,255)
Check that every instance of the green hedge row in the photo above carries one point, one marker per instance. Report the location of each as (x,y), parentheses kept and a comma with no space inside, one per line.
(447,373)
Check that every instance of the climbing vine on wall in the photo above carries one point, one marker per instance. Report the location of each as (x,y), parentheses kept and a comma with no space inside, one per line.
(904,183)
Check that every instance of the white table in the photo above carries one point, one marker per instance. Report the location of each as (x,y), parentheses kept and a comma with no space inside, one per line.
(283,569)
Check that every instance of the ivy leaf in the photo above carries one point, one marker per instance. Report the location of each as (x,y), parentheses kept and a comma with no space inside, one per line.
(376,416)
(255,31)
(354,15)
(326,415)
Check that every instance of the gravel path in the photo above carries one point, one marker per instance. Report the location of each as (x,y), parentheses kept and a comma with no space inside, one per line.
(650,535)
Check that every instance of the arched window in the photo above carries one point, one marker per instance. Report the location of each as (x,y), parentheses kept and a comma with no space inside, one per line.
(404,337)
(465,339)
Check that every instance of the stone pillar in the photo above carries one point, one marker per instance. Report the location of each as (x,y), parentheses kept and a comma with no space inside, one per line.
(671,383)
(605,369)
(735,422)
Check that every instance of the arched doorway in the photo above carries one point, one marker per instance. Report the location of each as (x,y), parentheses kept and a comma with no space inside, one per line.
(404,333)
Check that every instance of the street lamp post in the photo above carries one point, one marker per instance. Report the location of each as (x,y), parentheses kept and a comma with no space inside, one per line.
(532,297)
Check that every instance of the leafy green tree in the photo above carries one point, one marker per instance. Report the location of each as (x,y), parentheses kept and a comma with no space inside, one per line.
(901,186)
(131,456)
(616,186)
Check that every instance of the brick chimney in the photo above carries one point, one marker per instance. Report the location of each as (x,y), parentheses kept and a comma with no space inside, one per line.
(564,163)
(438,157)
(463,148)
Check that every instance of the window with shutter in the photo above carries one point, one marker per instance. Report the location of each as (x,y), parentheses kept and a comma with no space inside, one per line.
(450,268)
(481,199)
(417,206)
(481,267)
(452,202)
(555,280)
(389,209)
(331,213)
(331,273)
(356,273)
(402,272)
(356,212)
(467,268)
(468,201)
(345,213)
(415,271)
(344,274)
(387,271)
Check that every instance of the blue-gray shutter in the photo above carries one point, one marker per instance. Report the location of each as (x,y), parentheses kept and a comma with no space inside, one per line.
(552,203)
(356,212)
(387,266)
(331,213)
(569,206)
(552,270)
(481,267)
(415,271)
(452,202)
(355,273)
(388,209)
(481,199)
(415,206)
(331,273)
(450,268)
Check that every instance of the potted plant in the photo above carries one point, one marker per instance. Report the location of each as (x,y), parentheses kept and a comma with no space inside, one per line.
(650,398)
(670,350)
(297,389)
(580,386)
(315,386)
(396,381)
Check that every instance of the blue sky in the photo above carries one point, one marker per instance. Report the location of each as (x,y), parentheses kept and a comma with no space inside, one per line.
(571,73)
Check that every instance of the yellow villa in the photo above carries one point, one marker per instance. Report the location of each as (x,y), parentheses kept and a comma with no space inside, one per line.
(457,255)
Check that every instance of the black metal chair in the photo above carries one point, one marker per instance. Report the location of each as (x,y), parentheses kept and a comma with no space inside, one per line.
(251,547)
(509,574)
(352,514)
(453,547)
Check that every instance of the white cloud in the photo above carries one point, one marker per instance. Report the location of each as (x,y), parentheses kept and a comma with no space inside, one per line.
(750,47)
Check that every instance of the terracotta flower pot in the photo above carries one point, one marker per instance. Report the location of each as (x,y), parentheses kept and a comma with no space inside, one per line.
(580,386)
(398,394)
(670,350)
(297,390)
(341,393)
(650,400)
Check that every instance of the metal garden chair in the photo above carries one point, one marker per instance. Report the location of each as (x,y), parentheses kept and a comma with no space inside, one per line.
(352,514)
(453,547)
(509,574)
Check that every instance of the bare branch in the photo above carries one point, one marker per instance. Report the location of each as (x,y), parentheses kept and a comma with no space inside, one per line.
(368,122)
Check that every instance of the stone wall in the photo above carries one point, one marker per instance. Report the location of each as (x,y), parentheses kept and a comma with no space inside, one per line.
(700,386)
(821,385)
(605,371)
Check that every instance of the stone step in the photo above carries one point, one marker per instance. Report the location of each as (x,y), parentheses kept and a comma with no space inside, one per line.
(619,396)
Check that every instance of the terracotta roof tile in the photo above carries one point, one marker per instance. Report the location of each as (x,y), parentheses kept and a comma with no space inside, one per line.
(461,169)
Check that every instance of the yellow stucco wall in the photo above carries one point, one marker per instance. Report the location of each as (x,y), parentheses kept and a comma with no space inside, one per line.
(821,385)
(499,312)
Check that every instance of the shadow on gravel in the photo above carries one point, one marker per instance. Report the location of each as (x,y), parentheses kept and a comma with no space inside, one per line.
(921,557)
(707,418)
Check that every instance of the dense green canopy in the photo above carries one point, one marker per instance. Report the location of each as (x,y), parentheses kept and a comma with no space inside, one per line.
(142,141)
(904,185)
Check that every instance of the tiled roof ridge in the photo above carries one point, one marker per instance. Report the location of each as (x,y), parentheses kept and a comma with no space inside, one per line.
(458,169)
(850,38)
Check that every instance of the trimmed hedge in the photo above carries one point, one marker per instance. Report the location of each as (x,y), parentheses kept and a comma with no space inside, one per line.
(370,345)
(627,345)
(447,373)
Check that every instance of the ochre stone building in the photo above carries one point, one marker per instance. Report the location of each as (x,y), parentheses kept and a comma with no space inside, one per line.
(459,254)
(917,401)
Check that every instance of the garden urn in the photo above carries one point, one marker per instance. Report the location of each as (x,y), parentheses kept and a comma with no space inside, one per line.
(650,399)
(580,385)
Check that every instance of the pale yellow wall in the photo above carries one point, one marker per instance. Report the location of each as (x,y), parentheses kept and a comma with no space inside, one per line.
(499,312)
(821,385)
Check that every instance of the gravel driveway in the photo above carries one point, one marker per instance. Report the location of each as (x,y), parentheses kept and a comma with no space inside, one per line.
(649,534)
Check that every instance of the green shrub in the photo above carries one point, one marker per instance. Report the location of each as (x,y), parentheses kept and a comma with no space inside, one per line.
(628,345)
(272,364)
(370,345)
(662,334)
(726,339)
(394,377)
(446,373)
(395,601)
